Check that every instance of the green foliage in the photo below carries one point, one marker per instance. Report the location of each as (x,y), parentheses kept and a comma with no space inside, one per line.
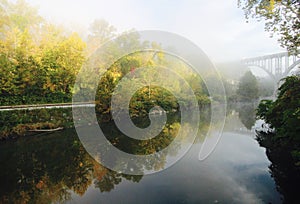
(264,108)
(141,103)
(149,95)
(248,87)
(18,122)
(38,62)
(284,116)
(282,17)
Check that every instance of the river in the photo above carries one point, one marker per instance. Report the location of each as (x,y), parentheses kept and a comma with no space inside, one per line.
(55,167)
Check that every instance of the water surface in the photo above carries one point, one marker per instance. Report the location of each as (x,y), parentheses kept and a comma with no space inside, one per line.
(56,168)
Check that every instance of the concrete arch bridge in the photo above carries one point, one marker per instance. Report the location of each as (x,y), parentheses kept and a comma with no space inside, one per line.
(277,66)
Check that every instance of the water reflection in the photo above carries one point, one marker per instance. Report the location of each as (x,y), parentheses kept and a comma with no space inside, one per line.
(46,168)
(282,168)
(56,168)
(247,114)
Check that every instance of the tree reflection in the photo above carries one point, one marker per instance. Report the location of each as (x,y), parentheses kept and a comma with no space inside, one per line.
(282,168)
(42,170)
(247,114)
(46,168)
(136,147)
(111,178)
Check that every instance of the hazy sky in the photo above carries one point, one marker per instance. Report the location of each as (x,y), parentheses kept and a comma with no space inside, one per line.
(218,27)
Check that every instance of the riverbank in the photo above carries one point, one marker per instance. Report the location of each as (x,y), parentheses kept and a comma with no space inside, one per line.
(23,122)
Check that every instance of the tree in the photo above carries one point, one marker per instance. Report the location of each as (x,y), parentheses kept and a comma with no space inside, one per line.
(100,31)
(284,116)
(39,61)
(282,17)
(266,86)
(248,87)
(284,113)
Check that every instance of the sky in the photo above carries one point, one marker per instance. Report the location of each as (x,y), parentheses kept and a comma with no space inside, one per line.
(218,27)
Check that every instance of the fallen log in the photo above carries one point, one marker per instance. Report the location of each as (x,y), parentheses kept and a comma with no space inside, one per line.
(46,130)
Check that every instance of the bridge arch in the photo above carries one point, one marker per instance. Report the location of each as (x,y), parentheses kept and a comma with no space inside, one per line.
(277,65)
(291,67)
(263,69)
(272,76)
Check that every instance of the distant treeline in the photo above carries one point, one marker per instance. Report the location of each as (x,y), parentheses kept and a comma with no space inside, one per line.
(39,61)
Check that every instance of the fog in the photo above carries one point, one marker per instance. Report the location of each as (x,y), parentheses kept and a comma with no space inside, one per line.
(218,27)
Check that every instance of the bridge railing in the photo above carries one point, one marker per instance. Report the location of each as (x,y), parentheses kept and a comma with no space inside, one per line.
(276,65)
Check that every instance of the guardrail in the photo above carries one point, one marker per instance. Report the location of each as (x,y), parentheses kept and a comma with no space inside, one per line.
(41,106)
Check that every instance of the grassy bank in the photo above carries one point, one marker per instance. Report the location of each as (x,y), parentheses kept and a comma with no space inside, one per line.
(18,123)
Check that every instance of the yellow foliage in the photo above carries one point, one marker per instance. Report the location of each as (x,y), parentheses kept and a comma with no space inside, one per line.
(272,4)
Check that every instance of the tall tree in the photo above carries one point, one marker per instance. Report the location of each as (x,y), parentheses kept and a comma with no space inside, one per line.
(282,17)
(99,32)
(248,87)
(36,58)
(283,114)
